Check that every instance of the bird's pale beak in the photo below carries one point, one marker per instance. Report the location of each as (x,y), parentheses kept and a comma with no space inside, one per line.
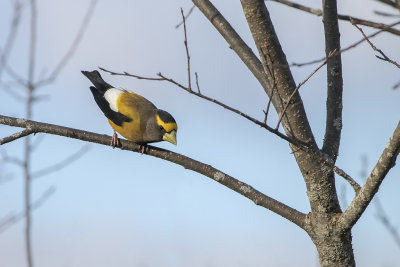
(170,137)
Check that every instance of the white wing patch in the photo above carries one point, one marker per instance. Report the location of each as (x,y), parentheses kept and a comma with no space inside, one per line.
(111,95)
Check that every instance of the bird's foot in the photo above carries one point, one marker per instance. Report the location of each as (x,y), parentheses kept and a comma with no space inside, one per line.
(115,141)
(143,148)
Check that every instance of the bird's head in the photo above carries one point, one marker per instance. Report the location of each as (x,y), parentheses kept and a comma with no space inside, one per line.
(167,125)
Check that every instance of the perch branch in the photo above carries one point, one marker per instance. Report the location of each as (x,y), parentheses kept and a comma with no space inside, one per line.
(242,188)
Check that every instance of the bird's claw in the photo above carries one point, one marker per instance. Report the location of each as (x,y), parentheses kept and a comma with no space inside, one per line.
(115,141)
(143,148)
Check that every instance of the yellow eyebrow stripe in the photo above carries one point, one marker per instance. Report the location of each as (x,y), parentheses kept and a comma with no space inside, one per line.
(168,126)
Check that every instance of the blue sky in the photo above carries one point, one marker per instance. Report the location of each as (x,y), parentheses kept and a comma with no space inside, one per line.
(117,208)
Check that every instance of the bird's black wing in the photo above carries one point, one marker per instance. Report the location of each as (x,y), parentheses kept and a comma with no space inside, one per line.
(116,117)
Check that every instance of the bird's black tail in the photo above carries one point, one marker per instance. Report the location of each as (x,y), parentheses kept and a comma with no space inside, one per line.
(98,82)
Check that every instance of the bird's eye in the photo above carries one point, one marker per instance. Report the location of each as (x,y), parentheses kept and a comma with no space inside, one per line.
(161,128)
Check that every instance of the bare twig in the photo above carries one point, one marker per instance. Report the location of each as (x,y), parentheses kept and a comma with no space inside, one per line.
(395,4)
(187,16)
(385,14)
(62,164)
(397,85)
(274,82)
(15,136)
(294,64)
(12,92)
(64,60)
(15,22)
(300,84)
(383,56)
(187,51)
(318,12)
(38,140)
(131,75)
(242,188)
(197,82)
(384,219)
(12,160)
(10,220)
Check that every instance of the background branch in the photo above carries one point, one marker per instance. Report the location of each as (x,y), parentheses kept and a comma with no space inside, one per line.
(62,164)
(334,103)
(11,220)
(344,49)
(318,12)
(364,196)
(383,56)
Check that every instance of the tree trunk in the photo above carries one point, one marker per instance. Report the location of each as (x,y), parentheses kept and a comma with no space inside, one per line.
(333,242)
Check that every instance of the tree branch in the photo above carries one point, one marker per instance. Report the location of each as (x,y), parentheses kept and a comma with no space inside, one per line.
(344,49)
(318,12)
(366,193)
(242,188)
(395,4)
(331,53)
(15,136)
(383,56)
(334,103)
(235,42)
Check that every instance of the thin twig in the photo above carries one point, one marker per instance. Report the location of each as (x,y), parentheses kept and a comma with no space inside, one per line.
(318,12)
(187,16)
(197,82)
(394,4)
(8,221)
(397,85)
(12,160)
(300,84)
(187,51)
(131,75)
(15,136)
(383,56)
(271,74)
(62,164)
(9,43)
(381,214)
(294,64)
(64,60)
(385,14)
(8,89)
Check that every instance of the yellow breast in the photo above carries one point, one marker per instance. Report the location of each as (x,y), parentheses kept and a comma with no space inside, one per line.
(127,105)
